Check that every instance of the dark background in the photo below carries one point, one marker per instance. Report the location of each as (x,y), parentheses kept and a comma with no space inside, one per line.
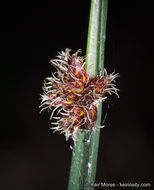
(31,156)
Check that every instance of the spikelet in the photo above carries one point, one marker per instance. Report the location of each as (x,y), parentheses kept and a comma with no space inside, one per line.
(73,95)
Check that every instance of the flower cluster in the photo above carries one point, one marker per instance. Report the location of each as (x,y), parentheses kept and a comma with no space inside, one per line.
(72,95)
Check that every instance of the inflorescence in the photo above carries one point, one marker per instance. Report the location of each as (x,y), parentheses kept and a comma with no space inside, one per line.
(72,95)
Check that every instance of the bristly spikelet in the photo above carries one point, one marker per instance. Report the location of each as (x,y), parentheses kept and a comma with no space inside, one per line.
(73,95)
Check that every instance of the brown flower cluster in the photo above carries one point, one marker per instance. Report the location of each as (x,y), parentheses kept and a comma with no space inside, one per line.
(72,95)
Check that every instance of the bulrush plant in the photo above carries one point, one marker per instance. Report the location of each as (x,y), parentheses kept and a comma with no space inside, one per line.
(74,94)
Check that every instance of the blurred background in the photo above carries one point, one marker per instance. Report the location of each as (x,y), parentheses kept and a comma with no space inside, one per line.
(31,156)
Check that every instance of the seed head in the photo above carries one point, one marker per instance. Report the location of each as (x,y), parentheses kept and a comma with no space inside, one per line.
(73,95)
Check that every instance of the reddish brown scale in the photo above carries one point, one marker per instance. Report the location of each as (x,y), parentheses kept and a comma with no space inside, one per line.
(75,119)
(93,117)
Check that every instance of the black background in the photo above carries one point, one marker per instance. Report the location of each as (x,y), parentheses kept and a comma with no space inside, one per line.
(31,156)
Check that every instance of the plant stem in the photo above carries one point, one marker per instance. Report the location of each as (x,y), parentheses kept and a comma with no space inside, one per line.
(96,38)
(85,150)
(79,162)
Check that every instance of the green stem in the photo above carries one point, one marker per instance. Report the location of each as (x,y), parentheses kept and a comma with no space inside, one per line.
(96,70)
(85,150)
(79,162)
